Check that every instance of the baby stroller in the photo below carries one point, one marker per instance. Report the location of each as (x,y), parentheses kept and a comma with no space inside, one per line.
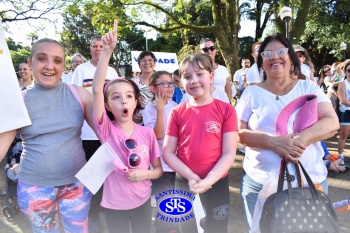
(11,209)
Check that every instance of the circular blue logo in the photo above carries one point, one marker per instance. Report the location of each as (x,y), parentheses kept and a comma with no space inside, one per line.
(175,206)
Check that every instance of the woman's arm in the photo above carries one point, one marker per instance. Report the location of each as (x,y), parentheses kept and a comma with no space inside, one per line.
(169,156)
(229,144)
(324,128)
(284,146)
(228,89)
(6,140)
(109,41)
(342,94)
(86,99)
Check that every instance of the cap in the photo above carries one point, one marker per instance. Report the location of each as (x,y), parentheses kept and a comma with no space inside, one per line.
(298,48)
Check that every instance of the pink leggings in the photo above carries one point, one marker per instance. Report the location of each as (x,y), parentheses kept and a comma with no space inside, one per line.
(43,205)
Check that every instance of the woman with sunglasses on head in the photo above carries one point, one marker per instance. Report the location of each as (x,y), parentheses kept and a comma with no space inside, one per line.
(147,62)
(269,140)
(127,191)
(306,65)
(344,115)
(221,74)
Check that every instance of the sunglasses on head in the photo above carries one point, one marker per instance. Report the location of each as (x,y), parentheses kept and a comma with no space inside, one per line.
(206,49)
(134,159)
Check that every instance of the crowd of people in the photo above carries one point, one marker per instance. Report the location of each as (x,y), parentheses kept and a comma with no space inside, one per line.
(172,130)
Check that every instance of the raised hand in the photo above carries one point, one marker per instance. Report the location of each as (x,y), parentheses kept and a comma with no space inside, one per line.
(109,40)
(160,100)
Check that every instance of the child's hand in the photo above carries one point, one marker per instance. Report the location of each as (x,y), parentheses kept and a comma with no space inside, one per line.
(160,100)
(137,175)
(109,40)
(192,181)
(202,186)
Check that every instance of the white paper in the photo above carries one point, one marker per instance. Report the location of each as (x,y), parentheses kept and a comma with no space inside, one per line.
(198,212)
(13,111)
(96,170)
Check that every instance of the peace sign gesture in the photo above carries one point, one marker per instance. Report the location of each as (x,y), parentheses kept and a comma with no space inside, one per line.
(109,40)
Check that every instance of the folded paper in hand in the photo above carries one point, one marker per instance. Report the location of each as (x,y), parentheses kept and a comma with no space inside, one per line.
(100,165)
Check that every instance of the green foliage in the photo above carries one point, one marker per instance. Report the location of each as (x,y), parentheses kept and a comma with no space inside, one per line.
(18,53)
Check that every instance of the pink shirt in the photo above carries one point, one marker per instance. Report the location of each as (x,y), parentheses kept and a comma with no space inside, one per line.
(200,130)
(118,192)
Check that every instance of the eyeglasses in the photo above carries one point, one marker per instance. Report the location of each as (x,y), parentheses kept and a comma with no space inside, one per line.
(268,55)
(134,159)
(166,84)
(77,62)
(146,61)
(206,49)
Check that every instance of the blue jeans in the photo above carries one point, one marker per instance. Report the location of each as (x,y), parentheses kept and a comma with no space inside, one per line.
(249,193)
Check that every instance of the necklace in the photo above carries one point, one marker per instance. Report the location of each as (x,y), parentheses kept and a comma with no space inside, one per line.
(273,91)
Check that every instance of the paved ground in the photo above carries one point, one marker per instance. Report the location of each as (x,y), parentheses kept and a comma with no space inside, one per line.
(339,189)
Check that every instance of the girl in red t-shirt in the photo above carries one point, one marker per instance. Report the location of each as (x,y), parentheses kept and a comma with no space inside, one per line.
(200,143)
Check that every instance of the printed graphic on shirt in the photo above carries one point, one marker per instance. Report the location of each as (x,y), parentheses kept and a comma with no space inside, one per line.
(143,150)
(213,127)
(221,212)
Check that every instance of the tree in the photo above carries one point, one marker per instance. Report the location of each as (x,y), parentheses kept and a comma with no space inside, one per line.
(18,53)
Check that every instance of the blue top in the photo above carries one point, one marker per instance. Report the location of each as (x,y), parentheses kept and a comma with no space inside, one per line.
(178,93)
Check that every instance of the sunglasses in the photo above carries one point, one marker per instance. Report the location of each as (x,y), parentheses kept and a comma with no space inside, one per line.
(326,70)
(166,84)
(206,49)
(268,55)
(134,159)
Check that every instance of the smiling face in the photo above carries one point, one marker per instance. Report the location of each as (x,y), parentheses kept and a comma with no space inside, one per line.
(147,64)
(197,81)
(276,66)
(25,72)
(121,101)
(47,63)
(158,87)
(209,44)
(77,60)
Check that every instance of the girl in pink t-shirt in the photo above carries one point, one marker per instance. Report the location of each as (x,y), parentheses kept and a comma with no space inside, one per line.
(127,190)
(200,143)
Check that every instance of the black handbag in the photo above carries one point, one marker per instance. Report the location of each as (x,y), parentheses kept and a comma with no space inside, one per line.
(301,209)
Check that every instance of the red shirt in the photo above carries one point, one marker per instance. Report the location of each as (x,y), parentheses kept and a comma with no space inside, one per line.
(200,130)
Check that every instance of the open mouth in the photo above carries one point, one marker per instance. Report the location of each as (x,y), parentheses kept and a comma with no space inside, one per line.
(125,112)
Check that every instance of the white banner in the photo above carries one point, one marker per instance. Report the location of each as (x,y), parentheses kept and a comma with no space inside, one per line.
(165,61)
(13,112)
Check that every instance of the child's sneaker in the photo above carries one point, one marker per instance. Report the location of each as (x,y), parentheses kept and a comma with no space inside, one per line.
(342,206)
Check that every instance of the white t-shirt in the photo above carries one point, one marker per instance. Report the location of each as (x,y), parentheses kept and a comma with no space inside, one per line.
(305,70)
(253,75)
(220,77)
(238,77)
(344,107)
(259,108)
(326,81)
(150,118)
(67,77)
(83,76)
(217,94)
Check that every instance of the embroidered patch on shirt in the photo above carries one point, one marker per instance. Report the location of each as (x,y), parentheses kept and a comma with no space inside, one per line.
(221,212)
(213,127)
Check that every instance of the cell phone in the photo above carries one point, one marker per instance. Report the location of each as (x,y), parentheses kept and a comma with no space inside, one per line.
(310,98)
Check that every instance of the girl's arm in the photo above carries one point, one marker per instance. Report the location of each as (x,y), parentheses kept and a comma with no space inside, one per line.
(284,146)
(109,41)
(169,156)
(342,95)
(6,139)
(229,144)
(160,99)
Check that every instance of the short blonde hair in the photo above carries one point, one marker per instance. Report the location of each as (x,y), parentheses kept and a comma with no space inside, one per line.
(200,61)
